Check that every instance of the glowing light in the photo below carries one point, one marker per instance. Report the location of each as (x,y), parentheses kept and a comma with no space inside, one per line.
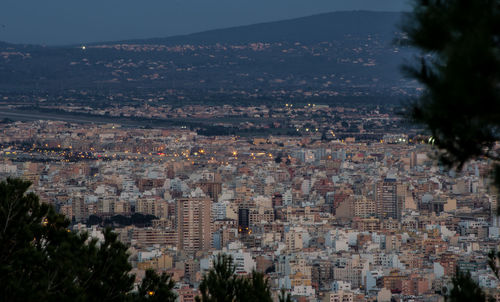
(83,48)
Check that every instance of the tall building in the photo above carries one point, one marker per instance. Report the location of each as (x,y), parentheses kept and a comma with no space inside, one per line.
(243,220)
(194,223)
(277,200)
(211,185)
(386,199)
(364,207)
(152,206)
(212,189)
(79,209)
(413,159)
(106,205)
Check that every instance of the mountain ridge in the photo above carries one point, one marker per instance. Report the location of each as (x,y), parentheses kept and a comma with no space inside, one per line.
(326,56)
(379,22)
(387,23)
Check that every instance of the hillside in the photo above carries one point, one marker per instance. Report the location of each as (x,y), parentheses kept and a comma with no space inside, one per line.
(323,27)
(324,57)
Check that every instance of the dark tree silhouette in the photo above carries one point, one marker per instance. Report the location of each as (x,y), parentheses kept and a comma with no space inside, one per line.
(494,262)
(460,70)
(460,105)
(222,284)
(254,288)
(94,220)
(156,288)
(464,289)
(42,260)
(284,296)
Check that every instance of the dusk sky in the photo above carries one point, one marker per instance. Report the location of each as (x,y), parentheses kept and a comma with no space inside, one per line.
(70,21)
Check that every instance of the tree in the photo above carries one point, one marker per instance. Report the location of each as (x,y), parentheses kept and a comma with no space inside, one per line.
(494,262)
(254,288)
(460,71)
(222,284)
(464,289)
(42,260)
(460,105)
(94,220)
(156,288)
(284,296)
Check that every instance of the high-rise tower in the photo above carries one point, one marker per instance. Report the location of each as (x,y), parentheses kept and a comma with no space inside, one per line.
(194,223)
(386,199)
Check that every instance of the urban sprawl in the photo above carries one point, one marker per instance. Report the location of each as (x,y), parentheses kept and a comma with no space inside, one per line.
(325,214)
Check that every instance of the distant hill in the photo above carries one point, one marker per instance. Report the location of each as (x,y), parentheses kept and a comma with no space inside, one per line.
(326,58)
(323,27)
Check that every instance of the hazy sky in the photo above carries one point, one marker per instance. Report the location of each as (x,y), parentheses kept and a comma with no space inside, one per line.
(79,21)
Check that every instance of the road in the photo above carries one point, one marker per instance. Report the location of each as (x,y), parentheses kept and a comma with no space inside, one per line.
(17,115)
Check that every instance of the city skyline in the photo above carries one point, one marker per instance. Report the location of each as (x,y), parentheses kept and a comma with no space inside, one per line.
(324,218)
(287,160)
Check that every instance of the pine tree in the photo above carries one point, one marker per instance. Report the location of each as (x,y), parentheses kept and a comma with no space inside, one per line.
(464,289)
(460,71)
(42,260)
(254,288)
(222,284)
(156,288)
(284,296)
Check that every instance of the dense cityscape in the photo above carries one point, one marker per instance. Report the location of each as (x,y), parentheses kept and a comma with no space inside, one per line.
(326,219)
(345,156)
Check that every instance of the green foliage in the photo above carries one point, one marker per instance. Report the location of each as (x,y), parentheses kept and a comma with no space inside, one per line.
(284,296)
(156,288)
(254,288)
(494,262)
(222,284)
(465,289)
(460,70)
(41,260)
